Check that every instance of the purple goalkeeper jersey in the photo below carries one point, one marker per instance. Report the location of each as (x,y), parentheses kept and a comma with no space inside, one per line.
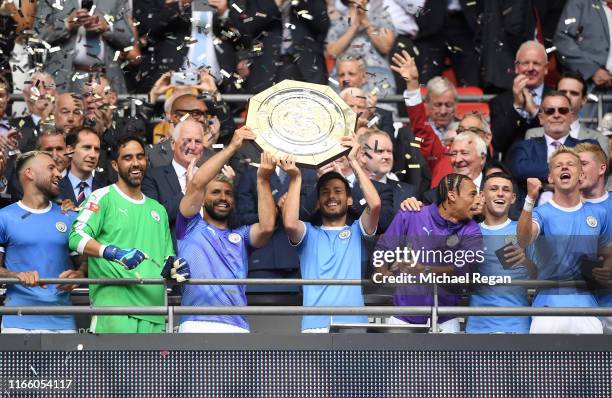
(440,243)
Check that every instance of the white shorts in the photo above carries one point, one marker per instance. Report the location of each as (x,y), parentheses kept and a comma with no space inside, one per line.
(209,327)
(35,331)
(566,325)
(450,326)
(316,330)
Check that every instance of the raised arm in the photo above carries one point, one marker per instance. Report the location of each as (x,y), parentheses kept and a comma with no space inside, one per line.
(291,210)
(527,230)
(261,232)
(371,214)
(194,192)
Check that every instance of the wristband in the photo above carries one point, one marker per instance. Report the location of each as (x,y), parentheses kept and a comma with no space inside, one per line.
(529,204)
(101,251)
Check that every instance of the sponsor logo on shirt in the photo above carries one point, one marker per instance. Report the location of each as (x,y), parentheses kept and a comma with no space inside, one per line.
(155,215)
(591,221)
(234,237)
(93,207)
(60,226)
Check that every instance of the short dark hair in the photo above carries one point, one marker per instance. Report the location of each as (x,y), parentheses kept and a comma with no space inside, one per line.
(332,175)
(122,141)
(73,136)
(505,176)
(496,164)
(450,183)
(49,133)
(554,93)
(570,74)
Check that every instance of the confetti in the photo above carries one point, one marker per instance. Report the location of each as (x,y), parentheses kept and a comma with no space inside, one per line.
(116,56)
(551,49)
(238,9)
(373,121)
(414,166)
(333,81)
(93,9)
(570,21)
(362,201)
(414,144)
(593,97)
(419,139)
(261,15)
(218,146)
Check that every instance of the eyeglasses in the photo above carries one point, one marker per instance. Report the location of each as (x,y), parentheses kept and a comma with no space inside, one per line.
(564,110)
(474,130)
(194,113)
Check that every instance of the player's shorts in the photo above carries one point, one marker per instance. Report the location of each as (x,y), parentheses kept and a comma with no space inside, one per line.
(566,325)
(209,327)
(450,326)
(35,331)
(124,324)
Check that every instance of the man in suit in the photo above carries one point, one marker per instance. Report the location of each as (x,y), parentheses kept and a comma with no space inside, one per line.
(376,158)
(167,183)
(80,181)
(529,158)
(448,29)
(582,40)
(572,84)
(69,112)
(277,259)
(87,43)
(285,43)
(164,25)
(515,111)
(352,72)
(39,96)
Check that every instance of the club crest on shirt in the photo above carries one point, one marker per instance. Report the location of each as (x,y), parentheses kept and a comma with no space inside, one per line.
(591,221)
(155,215)
(234,237)
(60,226)
(345,234)
(511,239)
(452,240)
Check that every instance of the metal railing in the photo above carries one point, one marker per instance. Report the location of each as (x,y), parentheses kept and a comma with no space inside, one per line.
(434,311)
(242,98)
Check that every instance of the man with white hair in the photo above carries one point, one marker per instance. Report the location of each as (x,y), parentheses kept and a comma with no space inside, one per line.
(429,120)
(167,183)
(39,96)
(515,111)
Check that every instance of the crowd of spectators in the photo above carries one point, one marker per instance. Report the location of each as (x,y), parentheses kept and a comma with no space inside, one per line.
(91,73)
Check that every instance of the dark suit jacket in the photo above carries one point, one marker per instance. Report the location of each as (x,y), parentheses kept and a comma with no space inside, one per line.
(66,191)
(29,132)
(507,125)
(266,29)
(277,254)
(165,29)
(385,121)
(510,22)
(405,156)
(162,184)
(528,158)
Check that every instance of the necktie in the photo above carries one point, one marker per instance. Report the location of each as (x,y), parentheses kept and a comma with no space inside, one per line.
(81,195)
(556,145)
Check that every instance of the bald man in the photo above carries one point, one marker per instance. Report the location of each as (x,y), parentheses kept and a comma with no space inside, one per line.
(69,112)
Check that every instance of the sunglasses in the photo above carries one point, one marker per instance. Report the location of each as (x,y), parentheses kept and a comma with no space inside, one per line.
(195,113)
(564,110)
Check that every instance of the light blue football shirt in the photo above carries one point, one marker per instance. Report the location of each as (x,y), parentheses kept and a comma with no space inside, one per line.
(213,253)
(494,238)
(36,240)
(331,253)
(604,298)
(566,236)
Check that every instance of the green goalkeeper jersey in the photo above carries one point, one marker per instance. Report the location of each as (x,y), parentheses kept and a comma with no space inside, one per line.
(112,218)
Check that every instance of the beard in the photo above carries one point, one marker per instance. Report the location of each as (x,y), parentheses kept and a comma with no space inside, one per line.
(130,180)
(209,207)
(333,216)
(49,190)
